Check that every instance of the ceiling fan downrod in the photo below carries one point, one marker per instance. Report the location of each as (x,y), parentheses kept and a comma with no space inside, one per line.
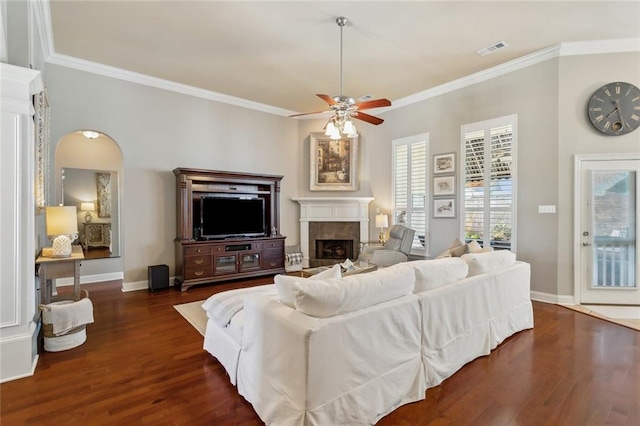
(341,21)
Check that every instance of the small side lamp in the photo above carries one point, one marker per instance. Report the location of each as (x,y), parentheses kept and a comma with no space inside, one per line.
(382,222)
(88,207)
(62,223)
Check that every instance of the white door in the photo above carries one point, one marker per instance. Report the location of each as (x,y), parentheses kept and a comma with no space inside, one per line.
(607,271)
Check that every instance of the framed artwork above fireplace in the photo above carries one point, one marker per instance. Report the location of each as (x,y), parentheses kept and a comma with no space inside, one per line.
(333,163)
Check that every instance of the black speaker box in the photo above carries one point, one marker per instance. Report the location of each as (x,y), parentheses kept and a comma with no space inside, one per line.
(158,277)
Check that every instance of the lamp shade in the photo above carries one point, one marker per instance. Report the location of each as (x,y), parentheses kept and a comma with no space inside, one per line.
(87,207)
(382,221)
(61,220)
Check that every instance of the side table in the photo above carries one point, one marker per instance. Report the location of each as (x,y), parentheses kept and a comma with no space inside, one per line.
(59,267)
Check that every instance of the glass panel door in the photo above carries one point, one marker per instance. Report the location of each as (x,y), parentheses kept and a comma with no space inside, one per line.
(225,265)
(613,225)
(249,261)
(607,244)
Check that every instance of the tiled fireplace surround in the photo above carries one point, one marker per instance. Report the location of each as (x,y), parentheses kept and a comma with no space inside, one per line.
(332,218)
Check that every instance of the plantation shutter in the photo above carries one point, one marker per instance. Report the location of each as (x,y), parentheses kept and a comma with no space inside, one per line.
(410,187)
(489,175)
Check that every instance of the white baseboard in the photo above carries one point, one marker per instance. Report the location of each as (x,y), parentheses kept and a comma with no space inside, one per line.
(14,354)
(111,276)
(556,299)
(142,285)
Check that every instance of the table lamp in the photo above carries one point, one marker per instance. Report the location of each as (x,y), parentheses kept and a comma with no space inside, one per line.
(87,207)
(382,222)
(62,223)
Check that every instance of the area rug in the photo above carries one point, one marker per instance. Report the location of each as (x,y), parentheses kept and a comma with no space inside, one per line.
(627,316)
(194,314)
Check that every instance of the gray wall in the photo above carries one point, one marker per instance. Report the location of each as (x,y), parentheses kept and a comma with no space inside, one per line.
(532,94)
(579,77)
(158,131)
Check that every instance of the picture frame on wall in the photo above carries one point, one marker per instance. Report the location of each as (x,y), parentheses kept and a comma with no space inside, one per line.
(444,163)
(333,164)
(444,185)
(444,208)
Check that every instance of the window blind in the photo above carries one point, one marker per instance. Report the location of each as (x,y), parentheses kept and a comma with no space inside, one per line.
(410,186)
(489,173)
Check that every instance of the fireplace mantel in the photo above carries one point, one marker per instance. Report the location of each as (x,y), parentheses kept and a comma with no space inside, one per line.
(332,209)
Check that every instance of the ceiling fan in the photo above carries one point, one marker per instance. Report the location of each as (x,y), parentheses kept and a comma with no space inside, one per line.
(345,107)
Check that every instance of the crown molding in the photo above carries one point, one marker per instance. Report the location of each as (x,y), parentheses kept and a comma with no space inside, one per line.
(42,14)
(597,47)
(478,77)
(563,49)
(42,10)
(134,77)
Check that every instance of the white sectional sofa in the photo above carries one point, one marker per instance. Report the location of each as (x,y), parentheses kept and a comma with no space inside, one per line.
(350,350)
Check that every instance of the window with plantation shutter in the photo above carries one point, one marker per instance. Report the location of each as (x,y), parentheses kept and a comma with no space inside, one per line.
(410,187)
(488,207)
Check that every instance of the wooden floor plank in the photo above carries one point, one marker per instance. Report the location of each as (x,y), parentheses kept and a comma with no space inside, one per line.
(144,364)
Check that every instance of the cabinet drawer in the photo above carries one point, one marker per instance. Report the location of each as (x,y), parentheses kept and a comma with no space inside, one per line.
(192,251)
(197,261)
(273,244)
(272,259)
(195,273)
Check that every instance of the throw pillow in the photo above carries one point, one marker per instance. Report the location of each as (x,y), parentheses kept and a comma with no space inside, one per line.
(431,274)
(284,283)
(475,247)
(335,296)
(480,263)
(456,249)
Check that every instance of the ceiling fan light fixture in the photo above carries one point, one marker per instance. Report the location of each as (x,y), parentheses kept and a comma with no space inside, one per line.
(344,108)
(349,129)
(335,135)
(331,128)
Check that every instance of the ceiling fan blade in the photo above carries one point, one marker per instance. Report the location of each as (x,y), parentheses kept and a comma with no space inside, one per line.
(368,118)
(328,99)
(376,103)
(308,113)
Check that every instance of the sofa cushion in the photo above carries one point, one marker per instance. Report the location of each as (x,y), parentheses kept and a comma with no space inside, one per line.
(284,283)
(431,274)
(335,296)
(480,263)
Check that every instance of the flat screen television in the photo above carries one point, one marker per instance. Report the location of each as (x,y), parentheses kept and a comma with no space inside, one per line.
(224,217)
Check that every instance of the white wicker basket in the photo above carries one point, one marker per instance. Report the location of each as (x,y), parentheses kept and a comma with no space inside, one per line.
(71,339)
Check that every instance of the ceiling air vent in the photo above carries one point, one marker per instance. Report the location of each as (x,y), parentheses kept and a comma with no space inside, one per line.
(493,48)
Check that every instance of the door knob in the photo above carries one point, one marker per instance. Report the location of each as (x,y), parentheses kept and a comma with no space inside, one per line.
(586,243)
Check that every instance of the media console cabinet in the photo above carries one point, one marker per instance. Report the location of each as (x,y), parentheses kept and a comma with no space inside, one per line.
(202,262)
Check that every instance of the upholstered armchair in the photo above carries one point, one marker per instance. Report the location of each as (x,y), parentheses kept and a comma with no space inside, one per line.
(395,250)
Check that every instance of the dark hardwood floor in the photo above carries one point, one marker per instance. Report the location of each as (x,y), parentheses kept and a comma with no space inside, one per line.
(143,363)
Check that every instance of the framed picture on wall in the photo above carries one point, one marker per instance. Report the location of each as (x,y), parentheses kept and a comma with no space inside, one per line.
(333,163)
(444,163)
(444,208)
(444,185)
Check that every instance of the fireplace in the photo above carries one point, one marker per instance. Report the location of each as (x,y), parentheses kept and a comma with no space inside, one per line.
(331,229)
(333,242)
(334,249)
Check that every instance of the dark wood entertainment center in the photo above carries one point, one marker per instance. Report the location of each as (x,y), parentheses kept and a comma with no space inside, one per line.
(207,261)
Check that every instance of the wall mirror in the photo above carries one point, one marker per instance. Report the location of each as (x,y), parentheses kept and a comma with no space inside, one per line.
(96,196)
(89,166)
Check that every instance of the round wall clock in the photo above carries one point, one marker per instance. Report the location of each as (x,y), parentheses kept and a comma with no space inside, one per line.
(614,109)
